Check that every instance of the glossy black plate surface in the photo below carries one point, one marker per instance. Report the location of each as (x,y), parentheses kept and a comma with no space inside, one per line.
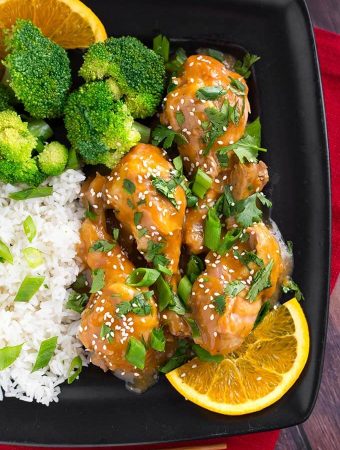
(97,410)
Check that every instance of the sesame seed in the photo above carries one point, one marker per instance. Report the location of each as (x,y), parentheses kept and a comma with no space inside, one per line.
(212,317)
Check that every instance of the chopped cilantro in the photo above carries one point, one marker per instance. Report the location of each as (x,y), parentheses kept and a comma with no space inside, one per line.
(219,302)
(180,118)
(129,186)
(106,333)
(98,280)
(290,286)
(243,67)
(164,134)
(166,188)
(210,92)
(139,305)
(234,288)
(237,86)
(218,121)
(137,217)
(246,149)
(175,65)
(261,281)
(77,302)
(247,257)
(101,246)
(115,233)
(181,355)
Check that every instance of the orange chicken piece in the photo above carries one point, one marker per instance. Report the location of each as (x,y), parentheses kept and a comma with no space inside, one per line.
(224,331)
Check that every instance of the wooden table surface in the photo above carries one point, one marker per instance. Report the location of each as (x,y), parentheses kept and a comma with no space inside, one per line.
(322,430)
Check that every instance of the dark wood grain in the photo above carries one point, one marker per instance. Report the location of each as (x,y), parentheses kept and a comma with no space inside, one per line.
(322,430)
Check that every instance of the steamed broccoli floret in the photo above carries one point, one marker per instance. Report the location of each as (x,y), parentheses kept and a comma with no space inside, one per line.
(7,98)
(137,72)
(39,70)
(53,159)
(16,146)
(99,128)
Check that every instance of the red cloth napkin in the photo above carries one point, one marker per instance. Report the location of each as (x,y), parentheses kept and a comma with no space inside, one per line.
(328,46)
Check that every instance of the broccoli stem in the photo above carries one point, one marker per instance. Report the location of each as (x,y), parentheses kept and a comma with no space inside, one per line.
(40,129)
(144,132)
(72,162)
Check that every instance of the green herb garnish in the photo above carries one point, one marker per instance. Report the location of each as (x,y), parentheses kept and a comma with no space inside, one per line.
(33,257)
(290,286)
(247,257)
(265,308)
(234,288)
(77,302)
(180,118)
(5,253)
(142,277)
(8,355)
(195,331)
(29,228)
(98,280)
(129,186)
(220,303)
(137,217)
(210,92)
(261,281)
(35,192)
(106,333)
(136,353)
(164,134)
(75,369)
(181,355)
(243,67)
(101,246)
(157,339)
(204,355)
(28,288)
(161,46)
(46,351)
(166,188)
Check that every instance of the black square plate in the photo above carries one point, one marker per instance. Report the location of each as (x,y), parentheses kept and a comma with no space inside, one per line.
(97,410)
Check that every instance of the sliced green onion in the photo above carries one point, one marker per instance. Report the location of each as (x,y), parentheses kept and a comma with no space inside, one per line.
(42,191)
(204,355)
(90,214)
(177,306)
(184,289)
(29,228)
(135,353)
(195,331)
(28,288)
(164,293)
(212,230)
(72,162)
(178,163)
(46,351)
(5,253)
(157,339)
(40,129)
(195,267)
(8,355)
(144,132)
(75,369)
(77,302)
(33,257)
(202,183)
(142,277)
(98,280)
(161,46)
(182,354)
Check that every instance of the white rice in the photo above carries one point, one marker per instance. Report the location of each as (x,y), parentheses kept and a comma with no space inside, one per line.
(57,219)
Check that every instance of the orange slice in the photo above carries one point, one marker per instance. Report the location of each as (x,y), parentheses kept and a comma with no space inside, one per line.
(69,23)
(256,375)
